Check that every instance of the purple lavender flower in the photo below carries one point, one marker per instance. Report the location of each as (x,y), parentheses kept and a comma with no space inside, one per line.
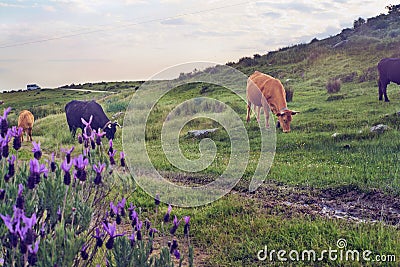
(83,252)
(36,169)
(152,231)
(98,135)
(167,215)
(32,257)
(37,152)
(112,154)
(53,166)
(132,239)
(16,132)
(91,139)
(111,230)
(20,199)
(147,224)
(174,226)
(157,200)
(177,254)
(88,129)
(68,153)
(80,165)
(12,233)
(130,210)
(12,223)
(80,139)
(139,230)
(122,159)
(98,169)
(5,149)
(4,122)
(121,207)
(8,222)
(134,218)
(11,168)
(99,237)
(23,248)
(66,167)
(113,210)
(118,220)
(187,225)
(2,194)
(26,232)
(86,140)
(110,144)
(174,246)
(105,218)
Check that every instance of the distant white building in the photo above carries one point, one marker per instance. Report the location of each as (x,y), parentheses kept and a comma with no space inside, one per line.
(33,86)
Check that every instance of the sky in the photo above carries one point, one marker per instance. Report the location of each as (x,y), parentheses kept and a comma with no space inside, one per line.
(57,42)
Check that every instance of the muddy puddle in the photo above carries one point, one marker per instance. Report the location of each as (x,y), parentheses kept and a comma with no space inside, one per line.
(346,202)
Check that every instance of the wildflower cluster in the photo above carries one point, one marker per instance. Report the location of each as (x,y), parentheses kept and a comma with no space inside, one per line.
(52,207)
(43,205)
(173,245)
(21,232)
(137,242)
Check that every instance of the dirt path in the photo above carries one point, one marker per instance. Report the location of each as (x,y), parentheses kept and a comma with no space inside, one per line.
(346,202)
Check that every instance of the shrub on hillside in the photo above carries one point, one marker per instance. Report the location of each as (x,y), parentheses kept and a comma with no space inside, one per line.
(333,86)
(369,74)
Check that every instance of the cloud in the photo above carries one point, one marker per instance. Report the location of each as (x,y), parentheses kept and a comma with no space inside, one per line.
(174,21)
(77,60)
(136,2)
(272,15)
(49,8)
(171,1)
(2,4)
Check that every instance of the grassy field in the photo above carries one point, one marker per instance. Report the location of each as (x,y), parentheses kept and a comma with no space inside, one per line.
(311,163)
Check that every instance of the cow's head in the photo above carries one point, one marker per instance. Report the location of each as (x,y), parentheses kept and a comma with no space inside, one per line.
(285,118)
(110,128)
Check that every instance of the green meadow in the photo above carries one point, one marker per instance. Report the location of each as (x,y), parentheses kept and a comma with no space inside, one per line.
(330,155)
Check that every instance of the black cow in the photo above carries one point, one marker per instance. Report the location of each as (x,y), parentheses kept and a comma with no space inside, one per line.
(76,110)
(389,71)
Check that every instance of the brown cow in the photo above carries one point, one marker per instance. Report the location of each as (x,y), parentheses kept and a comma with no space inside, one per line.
(268,92)
(25,121)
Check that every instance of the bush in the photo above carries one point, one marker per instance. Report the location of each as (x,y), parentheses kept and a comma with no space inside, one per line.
(333,86)
(115,107)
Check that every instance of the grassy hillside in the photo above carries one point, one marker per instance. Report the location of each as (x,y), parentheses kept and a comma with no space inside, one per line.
(321,187)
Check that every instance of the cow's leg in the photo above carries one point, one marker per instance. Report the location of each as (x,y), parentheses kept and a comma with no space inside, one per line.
(248,110)
(266,112)
(22,135)
(384,90)
(380,90)
(29,132)
(258,110)
(73,132)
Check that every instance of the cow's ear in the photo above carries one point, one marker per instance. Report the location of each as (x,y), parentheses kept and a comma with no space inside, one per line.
(280,114)
(295,112)
(117,124)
